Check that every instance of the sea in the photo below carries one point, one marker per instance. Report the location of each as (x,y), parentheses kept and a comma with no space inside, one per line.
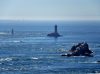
(30,51)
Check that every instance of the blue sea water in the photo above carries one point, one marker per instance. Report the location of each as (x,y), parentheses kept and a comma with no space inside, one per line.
(30,51)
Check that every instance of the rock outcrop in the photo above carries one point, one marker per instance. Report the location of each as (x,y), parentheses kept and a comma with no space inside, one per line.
(81,49)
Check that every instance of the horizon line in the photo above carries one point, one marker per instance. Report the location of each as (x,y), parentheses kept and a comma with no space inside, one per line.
(51,19)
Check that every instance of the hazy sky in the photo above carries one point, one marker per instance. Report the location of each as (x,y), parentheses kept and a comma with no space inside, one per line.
(49,9)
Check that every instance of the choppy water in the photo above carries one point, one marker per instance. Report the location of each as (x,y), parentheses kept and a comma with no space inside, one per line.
(30,51)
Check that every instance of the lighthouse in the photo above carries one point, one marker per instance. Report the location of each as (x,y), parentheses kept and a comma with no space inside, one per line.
(55,28)
(55,33)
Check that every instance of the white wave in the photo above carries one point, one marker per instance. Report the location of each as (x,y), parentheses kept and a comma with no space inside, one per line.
(34,58)
(79,56)
(89,62)
(5,59)
(16,41)
(94,73)
(3,33)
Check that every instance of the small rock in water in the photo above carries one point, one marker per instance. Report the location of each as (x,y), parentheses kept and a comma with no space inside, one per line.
(81,49)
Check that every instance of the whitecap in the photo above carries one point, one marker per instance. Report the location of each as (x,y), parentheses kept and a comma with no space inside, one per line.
(16,41)
(96,72)
(6,59)
(34,58)
(88,62)
(3,33)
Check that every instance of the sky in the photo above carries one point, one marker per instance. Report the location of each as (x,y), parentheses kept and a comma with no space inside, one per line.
(50,9)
